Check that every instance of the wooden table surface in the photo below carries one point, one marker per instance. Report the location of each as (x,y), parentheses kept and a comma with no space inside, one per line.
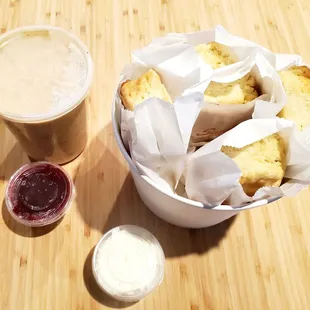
(257,260)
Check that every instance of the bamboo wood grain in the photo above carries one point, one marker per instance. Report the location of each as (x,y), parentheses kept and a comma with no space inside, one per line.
(258,260)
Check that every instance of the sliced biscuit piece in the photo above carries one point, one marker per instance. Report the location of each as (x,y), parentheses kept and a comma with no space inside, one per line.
(262,163)
(296,82)
(237,92)
(216,54)
(148,85)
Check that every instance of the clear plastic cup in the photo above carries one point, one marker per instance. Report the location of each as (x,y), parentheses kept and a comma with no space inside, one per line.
(31,180)
(114,255)
(60,135)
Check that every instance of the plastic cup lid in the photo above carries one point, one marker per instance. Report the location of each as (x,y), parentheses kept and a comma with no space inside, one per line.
(69,102)
(128,263)
(58,199)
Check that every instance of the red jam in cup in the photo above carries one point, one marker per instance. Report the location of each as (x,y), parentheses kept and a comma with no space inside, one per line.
(39,194)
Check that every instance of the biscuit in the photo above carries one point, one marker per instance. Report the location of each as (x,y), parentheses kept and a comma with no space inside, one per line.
(296,83)
(216,54)
(262,163)
(237,92)
(148,85)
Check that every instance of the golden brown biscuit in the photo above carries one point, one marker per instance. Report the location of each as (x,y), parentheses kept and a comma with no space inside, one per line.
(237,92)
(296,83)
(216,54)
(262,163)
(148,85)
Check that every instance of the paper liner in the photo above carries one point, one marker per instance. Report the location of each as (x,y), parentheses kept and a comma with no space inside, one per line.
(157,134)
(241,47)
(212,177)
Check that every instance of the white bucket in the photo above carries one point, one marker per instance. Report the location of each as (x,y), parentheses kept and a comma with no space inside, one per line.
(170,207)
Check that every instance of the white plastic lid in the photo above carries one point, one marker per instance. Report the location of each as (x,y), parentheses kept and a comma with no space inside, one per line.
(128,263)
(71,101)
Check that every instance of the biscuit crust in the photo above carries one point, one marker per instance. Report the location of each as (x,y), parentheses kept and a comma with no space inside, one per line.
(262,163)
(148,85)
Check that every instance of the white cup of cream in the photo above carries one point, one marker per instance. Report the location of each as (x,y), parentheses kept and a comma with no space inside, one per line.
(128,263)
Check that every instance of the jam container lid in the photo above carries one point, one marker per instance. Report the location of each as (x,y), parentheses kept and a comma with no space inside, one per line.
(128,263)
(39,194)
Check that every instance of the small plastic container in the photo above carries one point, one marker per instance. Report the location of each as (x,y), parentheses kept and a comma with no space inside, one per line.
(39,194)
(128,263)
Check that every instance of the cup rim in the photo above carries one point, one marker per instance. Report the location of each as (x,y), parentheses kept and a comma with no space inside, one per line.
(152,287)
(80,95)
(42,222)
(184,200)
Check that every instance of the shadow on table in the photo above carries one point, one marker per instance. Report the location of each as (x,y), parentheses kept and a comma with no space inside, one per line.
(175,241)
(107,197)
(22,230)
(95,290)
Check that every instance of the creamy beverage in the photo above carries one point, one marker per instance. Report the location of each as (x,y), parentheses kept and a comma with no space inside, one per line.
(40,72)
(45,74)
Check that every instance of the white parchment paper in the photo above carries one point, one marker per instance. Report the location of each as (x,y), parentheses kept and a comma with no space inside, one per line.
(215,119)
(179,67)
(212,177)
(284,62)
(158,134)
(241,47)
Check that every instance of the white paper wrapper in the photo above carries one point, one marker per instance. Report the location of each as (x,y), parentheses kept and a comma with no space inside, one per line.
(175,82)
(157,133)
(215,119)
(241,47)
(158,136)
(284,62)
(212,177)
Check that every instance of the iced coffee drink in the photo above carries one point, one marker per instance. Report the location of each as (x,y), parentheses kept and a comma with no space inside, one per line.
(45,75)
